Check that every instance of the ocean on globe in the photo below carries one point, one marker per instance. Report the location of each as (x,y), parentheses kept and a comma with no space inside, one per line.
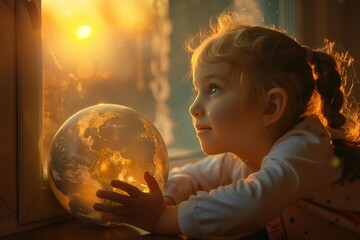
(98,144)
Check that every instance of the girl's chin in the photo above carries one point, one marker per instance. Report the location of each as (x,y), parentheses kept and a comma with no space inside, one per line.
(210,150)
(213,149)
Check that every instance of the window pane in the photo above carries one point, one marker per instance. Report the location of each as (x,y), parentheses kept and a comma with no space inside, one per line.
(96,51)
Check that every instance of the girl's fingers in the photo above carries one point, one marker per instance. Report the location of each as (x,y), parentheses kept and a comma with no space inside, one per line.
(152,183)
(130,189)
(114,196)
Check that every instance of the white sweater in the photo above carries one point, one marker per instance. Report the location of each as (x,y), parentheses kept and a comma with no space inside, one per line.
(220,196)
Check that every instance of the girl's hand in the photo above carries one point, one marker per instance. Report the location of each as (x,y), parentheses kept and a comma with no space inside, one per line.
(139,209)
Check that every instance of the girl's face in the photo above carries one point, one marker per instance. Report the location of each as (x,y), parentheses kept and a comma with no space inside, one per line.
(222,121)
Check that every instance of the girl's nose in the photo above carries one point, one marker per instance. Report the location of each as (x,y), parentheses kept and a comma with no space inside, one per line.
(195,109)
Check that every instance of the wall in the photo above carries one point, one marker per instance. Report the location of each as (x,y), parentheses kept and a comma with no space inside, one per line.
(336,20)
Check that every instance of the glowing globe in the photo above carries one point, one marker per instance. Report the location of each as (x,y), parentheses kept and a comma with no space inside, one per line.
(99,144)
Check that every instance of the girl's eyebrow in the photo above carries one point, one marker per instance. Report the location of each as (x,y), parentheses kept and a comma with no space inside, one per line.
(211,75)
(208,77)
(214,76)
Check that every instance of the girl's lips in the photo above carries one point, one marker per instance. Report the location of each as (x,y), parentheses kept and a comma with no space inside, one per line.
(202,129)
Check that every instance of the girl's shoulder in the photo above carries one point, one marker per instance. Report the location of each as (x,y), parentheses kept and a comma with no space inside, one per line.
(308,147)
(308,139)
(311,125)
(304,152)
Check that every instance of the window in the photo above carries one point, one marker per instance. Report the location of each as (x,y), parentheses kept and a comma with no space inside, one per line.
(83,53)
(105,52)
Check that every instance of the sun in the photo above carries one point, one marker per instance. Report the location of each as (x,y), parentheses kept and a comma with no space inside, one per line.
(84,32)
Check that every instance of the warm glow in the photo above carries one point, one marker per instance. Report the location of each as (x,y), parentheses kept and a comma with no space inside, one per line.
(133,15)
(103,167)
(84,32)
(92,51)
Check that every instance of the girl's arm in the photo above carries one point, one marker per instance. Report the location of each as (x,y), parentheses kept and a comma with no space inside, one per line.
(158,214)
(204,175)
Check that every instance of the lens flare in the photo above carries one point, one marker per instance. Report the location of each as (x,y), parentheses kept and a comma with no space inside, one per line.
(84,32)
(335,162)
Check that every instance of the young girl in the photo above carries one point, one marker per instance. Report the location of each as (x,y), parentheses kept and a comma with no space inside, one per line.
(284,146)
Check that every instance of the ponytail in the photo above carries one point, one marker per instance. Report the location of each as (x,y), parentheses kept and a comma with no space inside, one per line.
(328,85)
(330,88)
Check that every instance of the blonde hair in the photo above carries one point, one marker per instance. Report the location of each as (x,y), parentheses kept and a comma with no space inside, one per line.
(263,58)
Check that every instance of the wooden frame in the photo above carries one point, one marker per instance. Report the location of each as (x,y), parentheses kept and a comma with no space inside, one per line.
(8,124)
(36,201)
(26,199)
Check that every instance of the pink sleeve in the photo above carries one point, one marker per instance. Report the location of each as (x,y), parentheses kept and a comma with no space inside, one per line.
(204,175)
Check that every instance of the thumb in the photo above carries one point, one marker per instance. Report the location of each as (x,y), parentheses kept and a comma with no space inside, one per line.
(152,183)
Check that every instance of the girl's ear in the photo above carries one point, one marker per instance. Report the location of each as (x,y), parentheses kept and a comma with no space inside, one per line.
(275,105)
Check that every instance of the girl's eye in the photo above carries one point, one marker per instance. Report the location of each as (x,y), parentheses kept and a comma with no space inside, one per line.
(213,89)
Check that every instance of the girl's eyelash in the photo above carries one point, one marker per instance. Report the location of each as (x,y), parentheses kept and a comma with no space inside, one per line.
(212,89)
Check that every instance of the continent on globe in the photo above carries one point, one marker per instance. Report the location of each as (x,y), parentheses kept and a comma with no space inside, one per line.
(99,144)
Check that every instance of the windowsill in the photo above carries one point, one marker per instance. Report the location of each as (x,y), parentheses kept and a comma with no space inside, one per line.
(75,229)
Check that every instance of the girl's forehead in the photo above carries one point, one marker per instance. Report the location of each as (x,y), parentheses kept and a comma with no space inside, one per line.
(203,71)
